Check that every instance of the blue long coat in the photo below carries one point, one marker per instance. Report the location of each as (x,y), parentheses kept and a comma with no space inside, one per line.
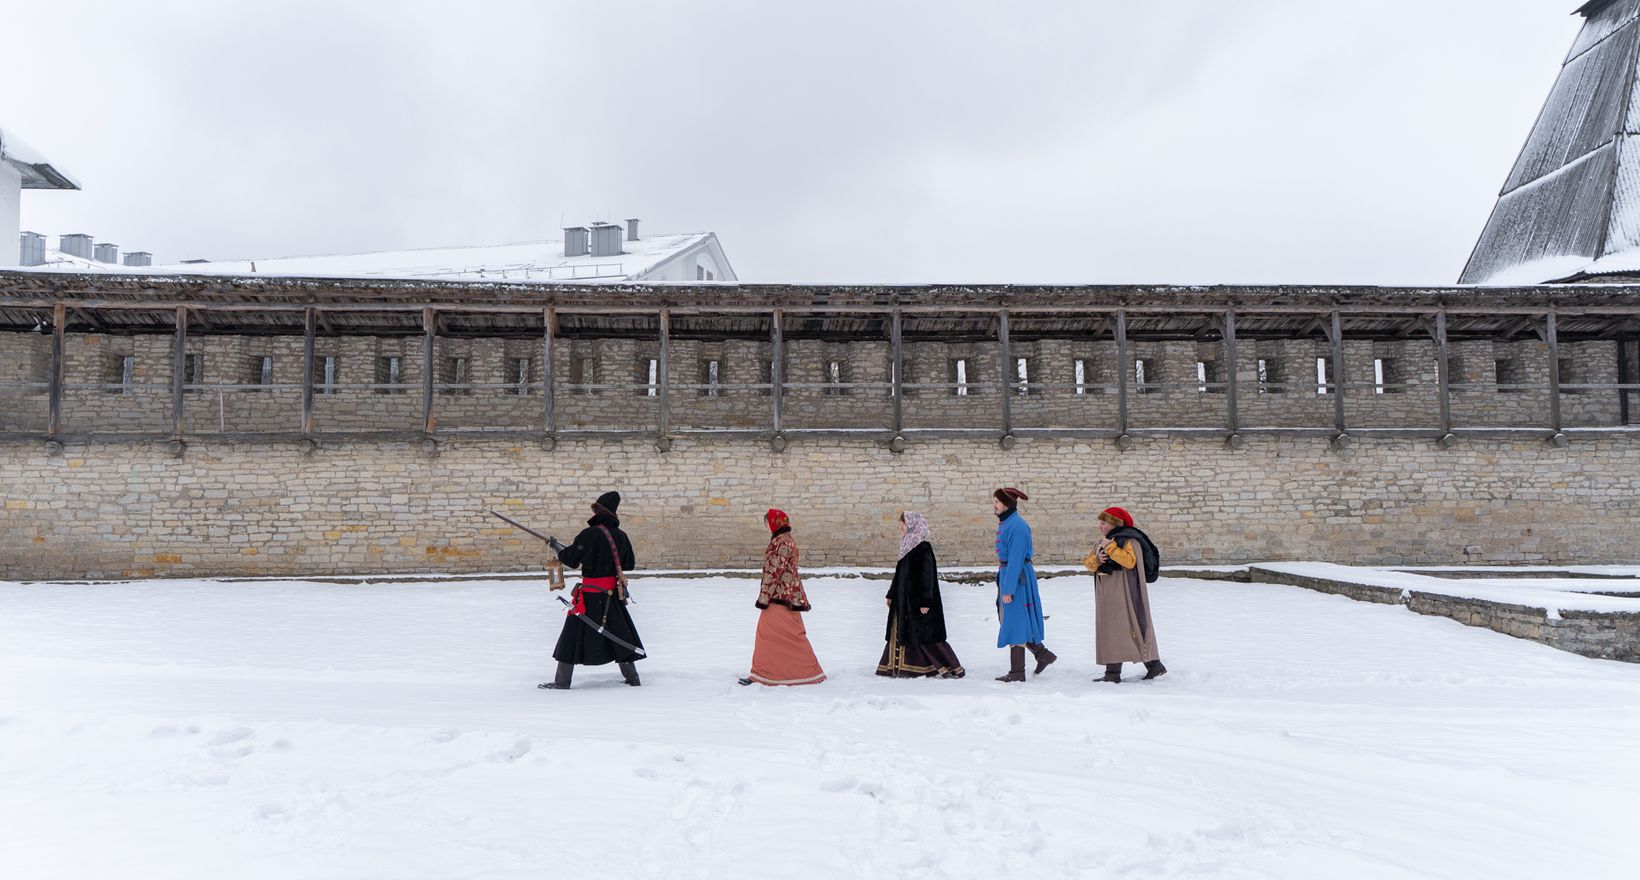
(1022,618)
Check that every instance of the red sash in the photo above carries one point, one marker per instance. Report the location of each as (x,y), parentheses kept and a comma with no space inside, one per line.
(592,585)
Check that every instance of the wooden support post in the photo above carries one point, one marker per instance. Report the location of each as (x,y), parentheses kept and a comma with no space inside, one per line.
(1123,367)
(54,417)
(429,325)
(1551,336)
(1624,377)
(661,370)
(897,365)
(777,367)
(549,320)
(1231,417)
(310,321)
(1337,334)
(179,372)
(1443,374)
(1007,374)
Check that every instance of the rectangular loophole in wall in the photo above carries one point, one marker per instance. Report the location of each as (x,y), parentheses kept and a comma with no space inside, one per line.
(1510,375)
(389,375)
(1145,377)
(326,373)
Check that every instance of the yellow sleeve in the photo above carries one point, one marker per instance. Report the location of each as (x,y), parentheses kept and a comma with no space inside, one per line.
(1091,561)
(1123,555)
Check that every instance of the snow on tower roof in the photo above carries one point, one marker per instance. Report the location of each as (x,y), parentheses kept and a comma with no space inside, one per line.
(37,170)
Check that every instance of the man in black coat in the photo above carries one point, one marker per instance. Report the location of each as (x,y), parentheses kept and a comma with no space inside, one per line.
(603,553)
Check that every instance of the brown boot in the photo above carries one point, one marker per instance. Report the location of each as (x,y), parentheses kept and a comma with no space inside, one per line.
(1016,664)
(1043,656)
(1113,673)
(1154,669)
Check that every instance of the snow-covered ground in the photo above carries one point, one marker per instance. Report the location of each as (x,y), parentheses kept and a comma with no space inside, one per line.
(299,730)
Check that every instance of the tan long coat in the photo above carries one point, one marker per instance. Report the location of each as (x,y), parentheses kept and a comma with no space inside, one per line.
(1123,631)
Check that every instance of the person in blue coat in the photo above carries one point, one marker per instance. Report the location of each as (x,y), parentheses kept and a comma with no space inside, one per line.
(1019,605)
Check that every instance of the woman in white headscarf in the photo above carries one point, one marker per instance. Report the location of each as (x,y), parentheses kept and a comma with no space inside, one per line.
(916,618)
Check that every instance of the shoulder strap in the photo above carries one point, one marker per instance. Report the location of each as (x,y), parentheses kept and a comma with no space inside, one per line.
(620,576)
(614,553)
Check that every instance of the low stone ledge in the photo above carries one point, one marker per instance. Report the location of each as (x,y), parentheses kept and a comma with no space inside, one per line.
(1603,635)
(1358,592)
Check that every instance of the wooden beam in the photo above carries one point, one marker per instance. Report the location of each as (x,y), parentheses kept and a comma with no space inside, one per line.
(1337,334)
(777,366)
(661,372)
(1124,367)
(93,320)
(1623,378)
(1007,374)
(1551,337)
(1419,325)
(429,326)
(54,412)
(179,371)
(897,367)
(1153,302)
(1231,419)
(549,329)
(1443,374)
(309,322)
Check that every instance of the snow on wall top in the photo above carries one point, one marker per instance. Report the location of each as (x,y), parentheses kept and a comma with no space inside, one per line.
(540,261)
(37,170)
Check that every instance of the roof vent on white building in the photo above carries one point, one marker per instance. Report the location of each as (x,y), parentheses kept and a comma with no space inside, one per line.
(107,253)
(76,245)
(575,241)
(631,229)
(32,249)
(606,240)
(139,258)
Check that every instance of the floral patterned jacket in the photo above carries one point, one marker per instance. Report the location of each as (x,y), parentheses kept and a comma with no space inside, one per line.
(782,585)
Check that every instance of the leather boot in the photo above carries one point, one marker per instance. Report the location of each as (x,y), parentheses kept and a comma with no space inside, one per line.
(560,682)
(629,671)
(1113,673)
(1016,664)
(1043,656)
(1154,669)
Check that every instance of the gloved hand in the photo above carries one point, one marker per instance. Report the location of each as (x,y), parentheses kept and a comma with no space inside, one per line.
(556,545)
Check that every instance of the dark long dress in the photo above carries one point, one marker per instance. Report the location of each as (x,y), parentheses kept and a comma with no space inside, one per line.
(581,644)
(916,641)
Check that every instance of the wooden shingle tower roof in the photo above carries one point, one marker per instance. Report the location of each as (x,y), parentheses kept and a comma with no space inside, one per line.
(1571,205)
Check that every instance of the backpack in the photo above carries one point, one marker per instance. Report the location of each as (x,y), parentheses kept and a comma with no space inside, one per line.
(1147,551)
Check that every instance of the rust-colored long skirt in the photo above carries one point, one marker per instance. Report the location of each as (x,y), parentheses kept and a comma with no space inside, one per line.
(782,654)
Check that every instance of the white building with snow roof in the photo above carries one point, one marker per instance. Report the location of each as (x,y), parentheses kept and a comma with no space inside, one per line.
(601,253)
(22,167)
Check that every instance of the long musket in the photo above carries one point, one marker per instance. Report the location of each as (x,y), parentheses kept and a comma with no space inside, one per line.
(555,569)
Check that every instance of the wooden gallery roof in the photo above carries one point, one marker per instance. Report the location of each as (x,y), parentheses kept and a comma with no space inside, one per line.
(280,306)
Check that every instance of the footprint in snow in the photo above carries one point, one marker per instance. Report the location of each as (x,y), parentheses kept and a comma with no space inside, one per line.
(231,735)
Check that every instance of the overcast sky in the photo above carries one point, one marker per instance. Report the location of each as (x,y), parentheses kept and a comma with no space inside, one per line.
(1066,141)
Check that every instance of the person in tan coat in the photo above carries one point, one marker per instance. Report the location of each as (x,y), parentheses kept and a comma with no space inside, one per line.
(1121,591)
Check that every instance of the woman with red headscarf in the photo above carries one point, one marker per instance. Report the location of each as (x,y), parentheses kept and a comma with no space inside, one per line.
(1123,564)
(782,654)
